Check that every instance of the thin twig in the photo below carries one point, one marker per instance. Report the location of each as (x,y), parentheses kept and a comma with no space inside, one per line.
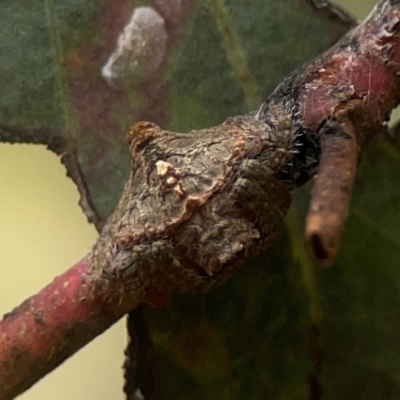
(332,189)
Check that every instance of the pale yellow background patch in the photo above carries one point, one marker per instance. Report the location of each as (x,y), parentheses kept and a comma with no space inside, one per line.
(42,233)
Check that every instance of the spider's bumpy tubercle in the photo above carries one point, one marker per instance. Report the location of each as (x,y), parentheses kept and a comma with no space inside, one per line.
(284,119)
(197,204)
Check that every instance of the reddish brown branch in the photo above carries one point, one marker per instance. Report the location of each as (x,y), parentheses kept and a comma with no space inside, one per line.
(332,189)
(49,327)
(355,81)
(355,84)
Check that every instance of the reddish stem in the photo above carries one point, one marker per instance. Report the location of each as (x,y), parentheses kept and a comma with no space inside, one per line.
(49,327)
(332,190)
(357,84)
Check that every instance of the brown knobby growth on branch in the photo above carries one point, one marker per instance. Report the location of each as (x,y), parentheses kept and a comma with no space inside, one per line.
(197,205)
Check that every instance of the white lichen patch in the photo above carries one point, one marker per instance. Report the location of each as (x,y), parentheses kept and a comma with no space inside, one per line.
(163,168)
(140,48)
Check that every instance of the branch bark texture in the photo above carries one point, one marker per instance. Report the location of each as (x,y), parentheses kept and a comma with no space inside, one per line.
(46,329)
